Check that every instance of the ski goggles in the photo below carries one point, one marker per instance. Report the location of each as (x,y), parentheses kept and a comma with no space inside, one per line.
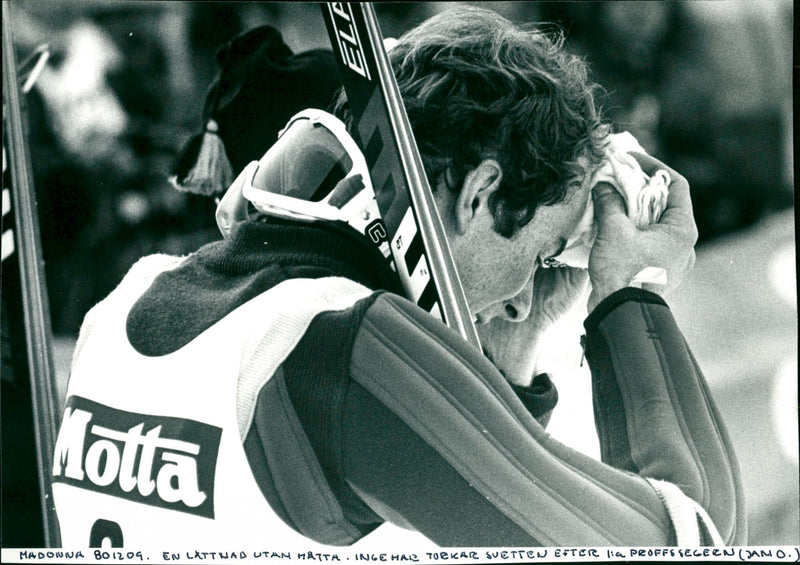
(314,171)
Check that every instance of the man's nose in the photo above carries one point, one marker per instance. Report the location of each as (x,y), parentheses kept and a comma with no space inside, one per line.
(517,308)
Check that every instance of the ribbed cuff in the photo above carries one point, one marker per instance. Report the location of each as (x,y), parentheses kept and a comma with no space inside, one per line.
(615,299)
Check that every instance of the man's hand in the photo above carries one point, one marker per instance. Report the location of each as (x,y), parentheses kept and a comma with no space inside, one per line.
(513,346)
(621,250)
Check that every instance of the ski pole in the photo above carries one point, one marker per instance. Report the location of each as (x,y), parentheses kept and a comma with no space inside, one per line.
(35,307)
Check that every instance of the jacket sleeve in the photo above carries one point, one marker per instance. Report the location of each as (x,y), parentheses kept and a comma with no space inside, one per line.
(433,437)
(653,411)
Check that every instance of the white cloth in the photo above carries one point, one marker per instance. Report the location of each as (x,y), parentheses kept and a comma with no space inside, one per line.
(645,197)
(686,516)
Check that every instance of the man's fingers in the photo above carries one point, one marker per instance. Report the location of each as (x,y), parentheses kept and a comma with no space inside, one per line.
(679,204)
(571,277)
(679,200)
(550,280)
(608,202)
(679,183)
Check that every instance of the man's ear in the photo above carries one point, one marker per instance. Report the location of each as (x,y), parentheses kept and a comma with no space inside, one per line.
(479,184)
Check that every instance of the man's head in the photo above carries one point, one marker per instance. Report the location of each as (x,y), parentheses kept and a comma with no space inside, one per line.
(507,128)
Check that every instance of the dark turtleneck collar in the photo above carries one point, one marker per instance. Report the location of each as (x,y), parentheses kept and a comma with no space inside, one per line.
(219,277)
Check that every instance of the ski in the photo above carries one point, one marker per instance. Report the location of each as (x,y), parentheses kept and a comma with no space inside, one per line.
(410,221)
(29,400)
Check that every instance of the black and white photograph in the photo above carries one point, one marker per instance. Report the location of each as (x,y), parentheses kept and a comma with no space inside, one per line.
(419,282)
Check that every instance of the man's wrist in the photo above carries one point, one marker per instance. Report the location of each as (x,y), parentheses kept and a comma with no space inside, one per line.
(601,292)
(653,279)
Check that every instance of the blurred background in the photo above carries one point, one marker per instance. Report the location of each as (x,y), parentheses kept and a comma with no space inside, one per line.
(704,86)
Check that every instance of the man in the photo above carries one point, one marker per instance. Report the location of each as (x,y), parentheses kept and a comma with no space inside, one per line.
(273,387)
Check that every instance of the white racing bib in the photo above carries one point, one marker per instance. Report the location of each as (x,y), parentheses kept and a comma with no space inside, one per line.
(150,453)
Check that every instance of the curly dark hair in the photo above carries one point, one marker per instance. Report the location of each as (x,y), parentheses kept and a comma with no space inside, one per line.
(478,86)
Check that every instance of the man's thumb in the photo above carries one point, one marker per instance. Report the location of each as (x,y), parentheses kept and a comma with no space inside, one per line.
(607,200)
